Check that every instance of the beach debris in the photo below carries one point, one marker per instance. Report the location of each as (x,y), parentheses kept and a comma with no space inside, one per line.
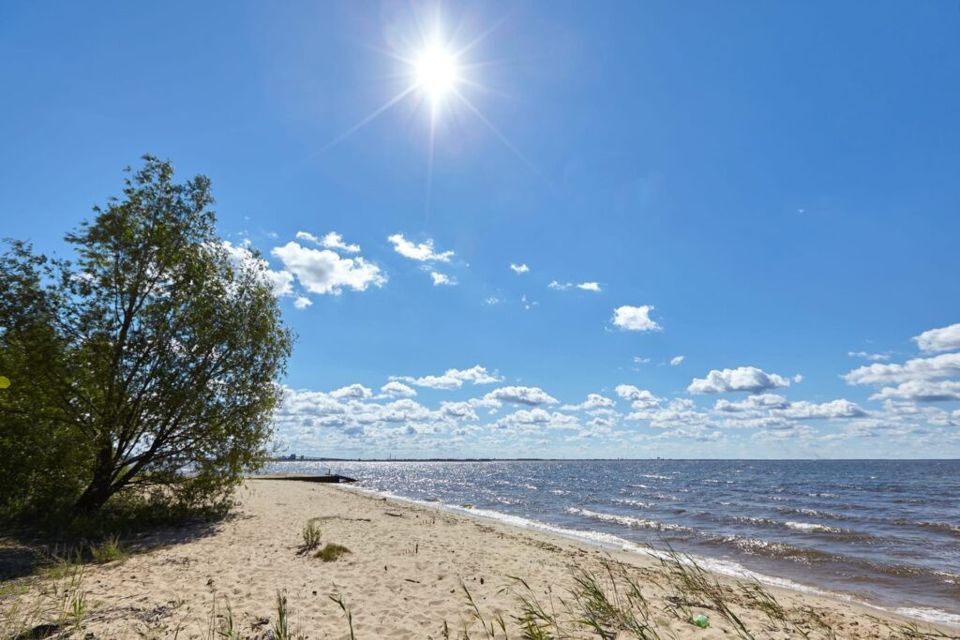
(701,621)
(393,515)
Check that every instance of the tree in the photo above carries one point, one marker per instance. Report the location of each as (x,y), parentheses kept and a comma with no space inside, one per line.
(150,361)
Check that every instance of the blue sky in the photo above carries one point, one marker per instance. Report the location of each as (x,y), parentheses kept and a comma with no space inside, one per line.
(761,188)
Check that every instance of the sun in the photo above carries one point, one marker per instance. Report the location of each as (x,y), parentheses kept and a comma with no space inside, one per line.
(436,72)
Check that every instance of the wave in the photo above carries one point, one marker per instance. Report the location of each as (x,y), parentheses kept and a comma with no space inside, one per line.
(627,521)
(812,527)
(944,527)
(633,503)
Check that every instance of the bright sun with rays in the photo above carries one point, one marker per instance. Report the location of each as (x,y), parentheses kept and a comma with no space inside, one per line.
(436,72)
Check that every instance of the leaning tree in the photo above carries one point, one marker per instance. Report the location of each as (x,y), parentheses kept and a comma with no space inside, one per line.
(150,360)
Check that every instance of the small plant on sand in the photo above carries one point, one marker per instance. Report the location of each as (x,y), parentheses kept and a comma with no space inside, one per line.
(108,551)
(311,536)
(281,626)
(536,623)
(331,551)
(695,587)
(338,598)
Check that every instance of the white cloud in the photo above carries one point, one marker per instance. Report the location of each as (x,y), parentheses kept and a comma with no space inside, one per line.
(521,395)
(750,379)
(639,398)
(640,360)
(460,410)
(676,361)
(585,286)
(519,268)
(492,300)
(678,412)
(937,340)
(397,389)
(422,252)
(351,391)
(527,419)
(440,279)
(324,271)
(875,357)
(242,257)
(804,410)
(332,240)
(452,378)
(760,401)
(594,401)
(946,365)
(309,237)
(921,391)
(635,318)
(302,302)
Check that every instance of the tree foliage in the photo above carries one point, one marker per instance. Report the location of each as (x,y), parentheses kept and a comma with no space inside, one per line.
(149,361)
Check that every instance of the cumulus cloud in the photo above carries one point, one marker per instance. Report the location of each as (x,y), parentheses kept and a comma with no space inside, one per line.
(676,361)
(519,268)
(635,318)
(638,398)
(937,340)
(594,401)
(324,271)
(241,256)
(441,279)
(452,378)
(749,379)
(332,240)
(422,252)
(678,412)
(532,396)
(492,300)
(946,365)
(834,409)
(351,391)
(528,419)
(590,286)
(921,391)
(460,410)
(760,401)
(302,302)
(397,389)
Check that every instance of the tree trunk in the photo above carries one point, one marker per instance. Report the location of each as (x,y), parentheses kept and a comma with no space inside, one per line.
(100,488)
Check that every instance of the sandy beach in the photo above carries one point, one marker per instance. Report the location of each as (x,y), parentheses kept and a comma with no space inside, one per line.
(407,573)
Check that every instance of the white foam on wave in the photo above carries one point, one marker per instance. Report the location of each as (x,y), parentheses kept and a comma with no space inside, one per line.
(811,526)
(718,566)
(627,521)
(930,615)
(633,503)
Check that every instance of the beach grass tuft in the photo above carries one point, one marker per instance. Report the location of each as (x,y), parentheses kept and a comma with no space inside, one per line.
(338,598)
(311,535)
(109,550)
(331,551)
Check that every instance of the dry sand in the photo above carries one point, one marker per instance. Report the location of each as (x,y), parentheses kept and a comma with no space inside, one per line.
(402,578)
